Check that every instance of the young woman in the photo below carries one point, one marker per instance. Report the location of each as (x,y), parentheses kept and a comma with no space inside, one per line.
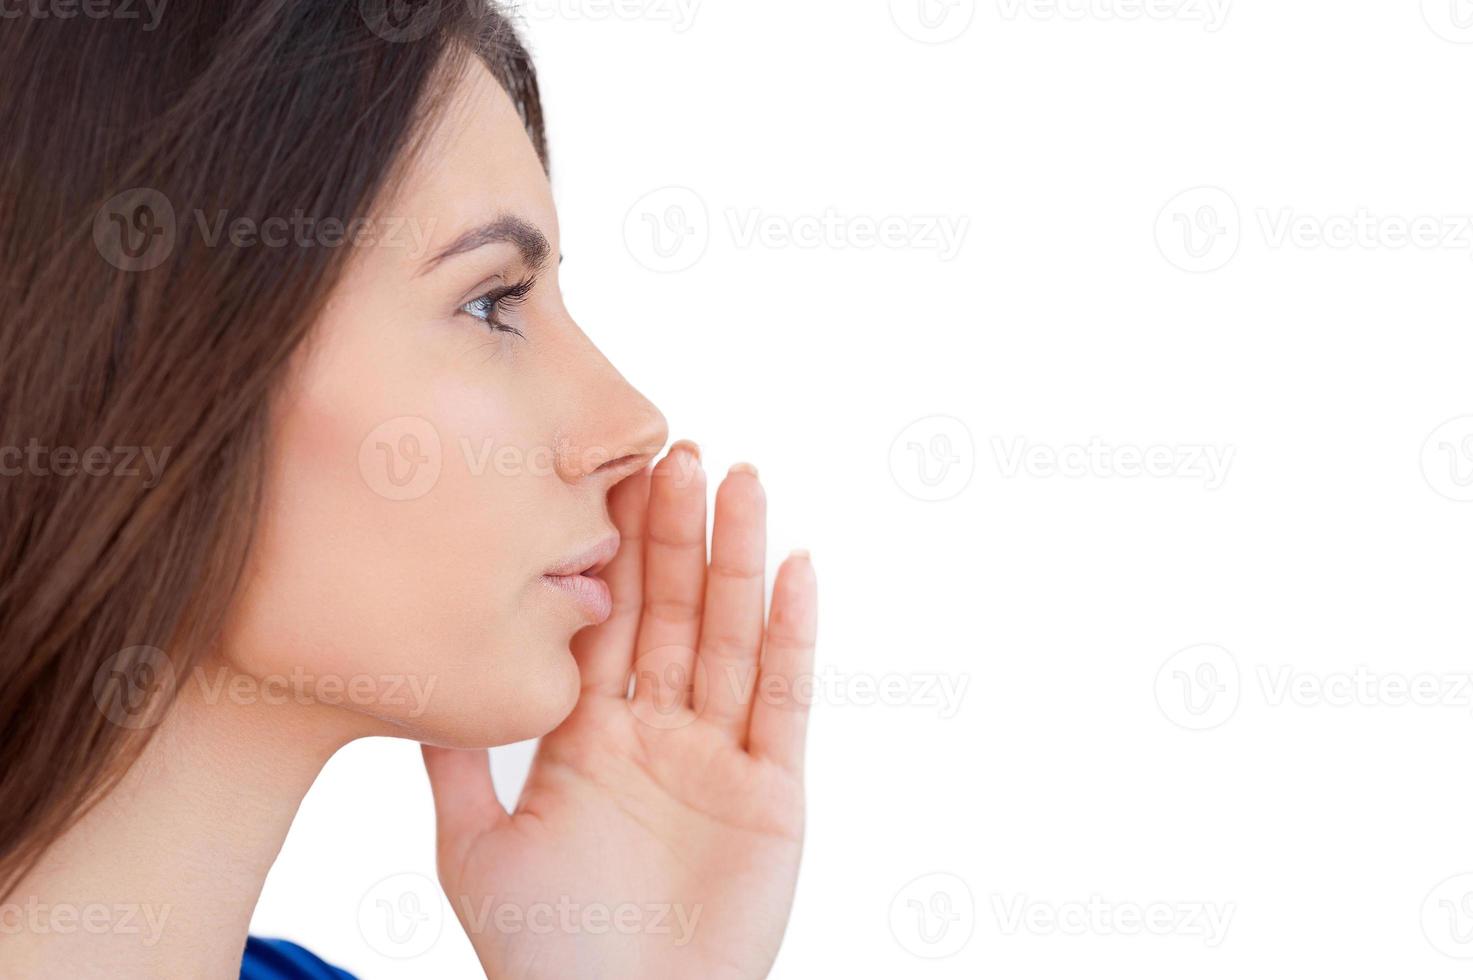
(300,445)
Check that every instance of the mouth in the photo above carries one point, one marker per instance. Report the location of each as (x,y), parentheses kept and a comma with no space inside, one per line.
(576,577)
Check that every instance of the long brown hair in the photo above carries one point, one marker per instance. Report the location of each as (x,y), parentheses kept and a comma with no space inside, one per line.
(138,355)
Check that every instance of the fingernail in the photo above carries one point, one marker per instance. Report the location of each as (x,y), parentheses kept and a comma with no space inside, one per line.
(800,553)
(689,447)
(744,468)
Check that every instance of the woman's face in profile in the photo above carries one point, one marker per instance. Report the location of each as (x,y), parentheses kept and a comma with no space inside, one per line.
(406,561)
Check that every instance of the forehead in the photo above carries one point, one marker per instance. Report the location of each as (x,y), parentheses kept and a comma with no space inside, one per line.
(476,162)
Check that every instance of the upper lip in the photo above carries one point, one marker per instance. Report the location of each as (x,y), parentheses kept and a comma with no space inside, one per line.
(590,559)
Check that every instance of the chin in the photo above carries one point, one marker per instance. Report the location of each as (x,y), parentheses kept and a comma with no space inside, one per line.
(498,706)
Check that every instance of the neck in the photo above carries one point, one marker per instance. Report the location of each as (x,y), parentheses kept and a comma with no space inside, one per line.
(160,878)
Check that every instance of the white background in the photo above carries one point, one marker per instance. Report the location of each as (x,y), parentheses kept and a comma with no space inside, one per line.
(1297,333)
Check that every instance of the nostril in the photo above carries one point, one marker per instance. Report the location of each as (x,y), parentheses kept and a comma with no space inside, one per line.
(623,464)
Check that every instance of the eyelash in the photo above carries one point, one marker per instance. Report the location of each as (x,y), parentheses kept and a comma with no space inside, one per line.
(489,306)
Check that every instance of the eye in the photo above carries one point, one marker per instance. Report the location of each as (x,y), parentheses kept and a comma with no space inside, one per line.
(491,306)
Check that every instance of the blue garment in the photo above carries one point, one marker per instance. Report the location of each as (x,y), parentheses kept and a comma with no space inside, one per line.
(277,959)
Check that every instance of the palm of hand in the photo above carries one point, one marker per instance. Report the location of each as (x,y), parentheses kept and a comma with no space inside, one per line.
(659,831)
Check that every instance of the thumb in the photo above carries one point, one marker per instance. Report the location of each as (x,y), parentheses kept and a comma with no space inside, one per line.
(465,797)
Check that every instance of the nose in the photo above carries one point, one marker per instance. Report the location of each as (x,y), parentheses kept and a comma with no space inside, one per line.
(614,432)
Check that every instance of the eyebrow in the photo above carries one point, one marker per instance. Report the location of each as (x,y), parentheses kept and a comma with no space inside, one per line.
(506,228)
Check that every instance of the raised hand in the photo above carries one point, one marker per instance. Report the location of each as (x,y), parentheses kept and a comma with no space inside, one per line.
(659,832)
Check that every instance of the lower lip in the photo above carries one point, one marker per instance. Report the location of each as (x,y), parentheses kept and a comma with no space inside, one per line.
(591,594)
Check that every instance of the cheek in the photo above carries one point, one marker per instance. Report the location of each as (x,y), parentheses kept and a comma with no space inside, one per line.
(400,543)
